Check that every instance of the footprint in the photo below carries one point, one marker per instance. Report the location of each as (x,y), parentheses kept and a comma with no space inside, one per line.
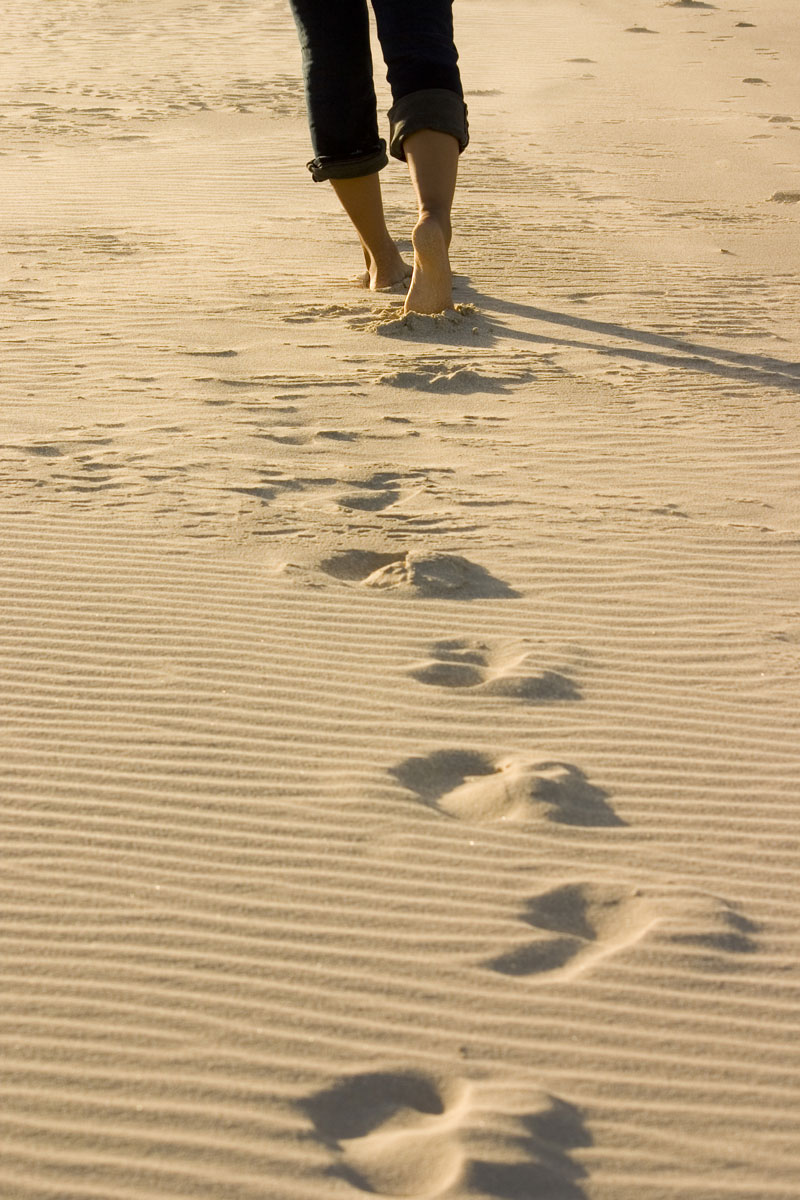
(308,314)
(287,435)
(369,501)
(580,924)
(499,669)
(463,380)
(397,1133)
(462,325)
(338,435)
(356,566)
(375,492)
(419,572)
(477,788)
(413,1133)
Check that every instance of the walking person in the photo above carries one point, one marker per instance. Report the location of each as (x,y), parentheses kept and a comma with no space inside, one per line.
(427,128)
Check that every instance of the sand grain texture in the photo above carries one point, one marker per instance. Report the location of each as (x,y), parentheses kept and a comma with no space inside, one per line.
(400,735)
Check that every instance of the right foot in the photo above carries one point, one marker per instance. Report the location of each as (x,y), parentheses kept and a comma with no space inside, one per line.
(431,289)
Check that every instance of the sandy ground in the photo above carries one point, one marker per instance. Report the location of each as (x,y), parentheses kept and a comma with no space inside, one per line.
(401,728)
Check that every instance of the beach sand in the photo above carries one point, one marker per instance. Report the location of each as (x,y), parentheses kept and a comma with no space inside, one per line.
(401,734)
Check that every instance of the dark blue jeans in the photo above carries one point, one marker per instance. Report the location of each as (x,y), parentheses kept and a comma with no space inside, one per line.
(416,38)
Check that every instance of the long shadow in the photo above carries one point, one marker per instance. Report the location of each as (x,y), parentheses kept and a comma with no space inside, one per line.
(729,364)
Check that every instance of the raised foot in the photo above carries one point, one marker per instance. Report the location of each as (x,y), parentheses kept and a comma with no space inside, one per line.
(431,289)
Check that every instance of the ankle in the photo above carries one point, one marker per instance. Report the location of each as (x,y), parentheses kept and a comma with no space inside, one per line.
(384,256)
(440,216)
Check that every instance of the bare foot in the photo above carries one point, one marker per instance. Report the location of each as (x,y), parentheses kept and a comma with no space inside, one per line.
(398,284)
(431,289)
(386,272)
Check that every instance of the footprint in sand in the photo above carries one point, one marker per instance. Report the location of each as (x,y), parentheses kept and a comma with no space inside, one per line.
(580,924)
(413,1133)
(417,572)
(475,787)
(460,326)
(288,436)
(691,4)
(309,314)
(492,669)
(375,500)
(460,380)
(379,490)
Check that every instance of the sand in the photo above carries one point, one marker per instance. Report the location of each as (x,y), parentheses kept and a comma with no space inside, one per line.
(400,733)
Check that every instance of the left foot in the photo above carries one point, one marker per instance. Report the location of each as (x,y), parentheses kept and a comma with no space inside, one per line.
(379,281)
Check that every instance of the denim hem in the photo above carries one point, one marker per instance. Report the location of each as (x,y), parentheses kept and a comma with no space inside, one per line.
(434,108)
(350,167)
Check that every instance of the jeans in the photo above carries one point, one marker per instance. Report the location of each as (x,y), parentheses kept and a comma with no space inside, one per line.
(416,38)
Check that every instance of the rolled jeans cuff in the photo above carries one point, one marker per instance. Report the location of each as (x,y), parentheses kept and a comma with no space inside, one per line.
(350,167)
(433,108)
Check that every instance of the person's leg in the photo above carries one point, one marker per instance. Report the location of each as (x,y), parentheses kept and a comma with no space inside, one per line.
(362,201)
(340,97)
(433,165)
(429,131)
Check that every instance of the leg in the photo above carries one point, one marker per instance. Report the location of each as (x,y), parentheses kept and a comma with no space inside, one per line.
(361,199)
(340,97)
(433,164)
(429,131)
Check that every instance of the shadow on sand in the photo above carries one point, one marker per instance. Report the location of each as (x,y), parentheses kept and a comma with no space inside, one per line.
(667,351)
